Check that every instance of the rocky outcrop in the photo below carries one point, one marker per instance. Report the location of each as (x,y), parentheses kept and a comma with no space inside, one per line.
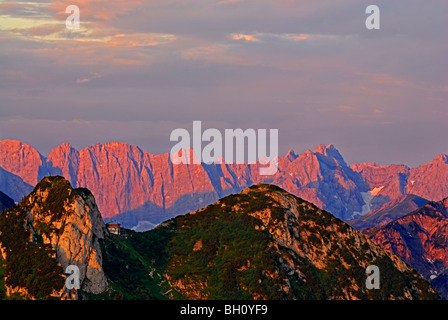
(68,220)
(140,189)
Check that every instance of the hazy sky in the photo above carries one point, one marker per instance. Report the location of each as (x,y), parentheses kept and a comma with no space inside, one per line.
(138,69)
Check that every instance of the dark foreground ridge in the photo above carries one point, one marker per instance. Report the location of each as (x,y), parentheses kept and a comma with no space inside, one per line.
(263,243)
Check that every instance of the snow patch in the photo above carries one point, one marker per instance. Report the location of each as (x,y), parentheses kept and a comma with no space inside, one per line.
(143,225)
(367,197)
(376,191)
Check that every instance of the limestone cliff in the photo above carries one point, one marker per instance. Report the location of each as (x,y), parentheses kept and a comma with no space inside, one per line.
(140,189)
(65,220)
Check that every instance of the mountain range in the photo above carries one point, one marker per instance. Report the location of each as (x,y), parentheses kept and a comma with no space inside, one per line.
(141,190)
(270,245)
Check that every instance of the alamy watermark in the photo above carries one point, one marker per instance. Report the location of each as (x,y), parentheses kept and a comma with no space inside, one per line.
(73,20)
(234,150)
(72,281)
(372,21)
(373,279)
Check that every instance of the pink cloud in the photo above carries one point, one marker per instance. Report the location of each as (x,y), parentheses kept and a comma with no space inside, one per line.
(139,39)
(245,37)
(97,10)
(345,108)
(387,79)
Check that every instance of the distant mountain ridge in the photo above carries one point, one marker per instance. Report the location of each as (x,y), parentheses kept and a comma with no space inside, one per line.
(141,190)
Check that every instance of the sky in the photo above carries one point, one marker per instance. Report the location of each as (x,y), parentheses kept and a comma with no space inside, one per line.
(138,69)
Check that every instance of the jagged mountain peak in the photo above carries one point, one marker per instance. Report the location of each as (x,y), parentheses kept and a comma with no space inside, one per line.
(330,151)
(322,148)
(327,150)
(291,155)
(115,145)
(65,147)
(149,188)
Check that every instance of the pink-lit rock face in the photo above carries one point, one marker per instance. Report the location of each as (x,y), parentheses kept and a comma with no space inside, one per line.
(139,186)
(430,180)
(21,159)
(419,238)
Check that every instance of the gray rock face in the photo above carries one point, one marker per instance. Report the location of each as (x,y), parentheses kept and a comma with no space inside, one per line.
(73,230)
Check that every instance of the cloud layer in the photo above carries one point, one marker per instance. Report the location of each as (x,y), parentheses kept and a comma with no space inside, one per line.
(310,69)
